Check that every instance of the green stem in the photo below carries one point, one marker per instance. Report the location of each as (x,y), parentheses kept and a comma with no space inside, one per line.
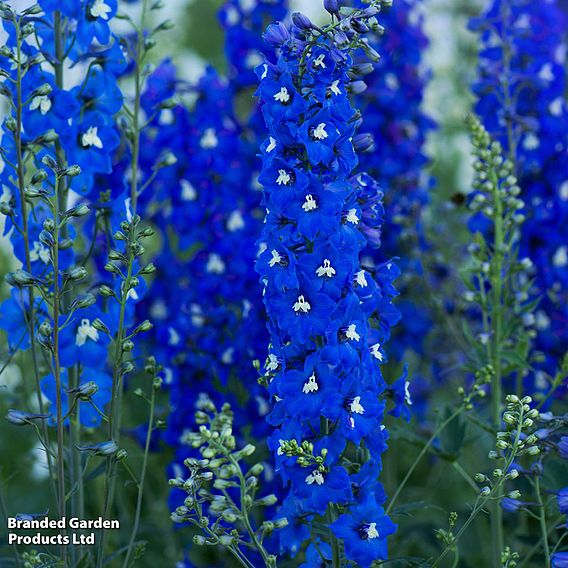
(57,369)
(114,415)
(422,453)
(495,342)
(142,479)
(62,200)
(542,520)
(30,319)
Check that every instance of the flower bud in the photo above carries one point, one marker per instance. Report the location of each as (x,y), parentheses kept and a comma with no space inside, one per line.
(48,161)
(276,34)
(78,210)
(10,124)
(280,523)
(105,449)
(146,325)
(85,391)
(20,278)
(121,455)
(363,142)
(99,325)
(168,159)
(148,269)
(77,273)
(332,6)
(301,21)
(357,87)
(20,418)
(267,501)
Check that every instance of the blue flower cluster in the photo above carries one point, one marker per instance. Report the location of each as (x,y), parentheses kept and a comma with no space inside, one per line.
(521,99)
(77,125)
(329,313)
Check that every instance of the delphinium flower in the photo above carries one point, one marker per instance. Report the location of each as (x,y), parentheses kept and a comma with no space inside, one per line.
(521,100)
(328,313)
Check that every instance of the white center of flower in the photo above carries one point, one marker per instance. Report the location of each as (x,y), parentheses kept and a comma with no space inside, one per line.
(319,132)
(376,351)
(556,106)
(173,336)
(407,397)
(85,331)
(41,102)
(100,10)
(283,178)
(252,59)
(197,318)
(531,142)
(361,279)
(235,221)
(209,139)
(372,531)
(351,333)
(227,356)
(352,216)
(91,138)
(302,305)
(564,191)
(319,61)
(315,477)
(355,406)
(311,385)
(546,73)
(264,72)
(215,264)
(272,362)
(6,196)
(282,96)
(39,252)
(271,145)
(132,293)
(335,88)
(276,258)
(188,192)
(326,269)
(310,203)
(560,258)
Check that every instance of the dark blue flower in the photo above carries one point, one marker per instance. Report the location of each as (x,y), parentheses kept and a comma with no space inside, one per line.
(364,531)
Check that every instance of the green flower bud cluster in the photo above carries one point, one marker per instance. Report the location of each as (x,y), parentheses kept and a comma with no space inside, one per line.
(304,453)
(509,558)
(222,487)
(517,440)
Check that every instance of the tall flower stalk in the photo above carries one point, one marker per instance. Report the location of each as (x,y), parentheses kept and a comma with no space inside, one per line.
(327,332)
